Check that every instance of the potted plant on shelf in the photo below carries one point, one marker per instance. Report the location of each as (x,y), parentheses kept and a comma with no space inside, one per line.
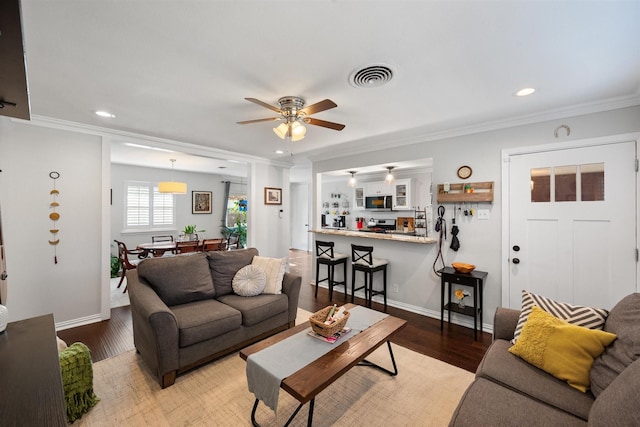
(189,231)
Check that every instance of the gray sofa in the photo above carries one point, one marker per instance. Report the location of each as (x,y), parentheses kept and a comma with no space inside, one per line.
(185,313)
(508,391)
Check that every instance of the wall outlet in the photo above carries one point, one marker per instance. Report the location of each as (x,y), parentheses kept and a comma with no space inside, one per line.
(395,288)
(483,213)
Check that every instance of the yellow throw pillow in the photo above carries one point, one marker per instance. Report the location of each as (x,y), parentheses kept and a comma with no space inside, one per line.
(563,350)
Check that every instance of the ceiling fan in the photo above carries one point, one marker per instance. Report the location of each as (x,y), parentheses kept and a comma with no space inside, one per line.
(294,116)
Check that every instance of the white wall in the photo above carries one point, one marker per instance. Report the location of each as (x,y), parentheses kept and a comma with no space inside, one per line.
(70,289)
(269,226)
(480,240)
(211,223)
(76,290)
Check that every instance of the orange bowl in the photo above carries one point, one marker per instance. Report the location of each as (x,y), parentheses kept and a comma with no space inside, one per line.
(462,267)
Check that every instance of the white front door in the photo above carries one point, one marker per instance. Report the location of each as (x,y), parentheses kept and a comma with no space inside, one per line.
(572,224)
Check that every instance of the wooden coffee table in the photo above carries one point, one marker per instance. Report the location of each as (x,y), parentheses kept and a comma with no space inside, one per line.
(305,384)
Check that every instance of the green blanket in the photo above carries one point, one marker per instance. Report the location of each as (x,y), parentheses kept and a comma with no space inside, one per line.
(77,378)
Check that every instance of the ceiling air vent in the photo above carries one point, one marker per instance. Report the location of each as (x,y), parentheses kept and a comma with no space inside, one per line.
(371,76)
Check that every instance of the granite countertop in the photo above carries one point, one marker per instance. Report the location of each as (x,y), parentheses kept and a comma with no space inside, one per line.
(409,238)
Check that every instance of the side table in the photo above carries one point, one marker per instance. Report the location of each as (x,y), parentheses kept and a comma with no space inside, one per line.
(475,280)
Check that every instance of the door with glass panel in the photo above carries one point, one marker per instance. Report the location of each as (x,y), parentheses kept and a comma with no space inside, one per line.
(572,224)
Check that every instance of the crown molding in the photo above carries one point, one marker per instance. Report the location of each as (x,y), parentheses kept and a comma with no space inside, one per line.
(125,136)
(382,142)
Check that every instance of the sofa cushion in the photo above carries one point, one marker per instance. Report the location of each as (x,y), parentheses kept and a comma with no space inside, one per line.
(617,405)
(624,321)
(588,317)
(564,350)
(486,403)
(504,368)
(256,309)
(249,281)
(178,279)
(225,264)
(201,320)
(274,270)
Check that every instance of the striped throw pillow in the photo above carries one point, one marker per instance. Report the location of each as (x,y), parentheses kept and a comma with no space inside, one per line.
(588,317)
(274,269)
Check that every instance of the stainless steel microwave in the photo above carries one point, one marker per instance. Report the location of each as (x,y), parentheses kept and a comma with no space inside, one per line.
(381,203)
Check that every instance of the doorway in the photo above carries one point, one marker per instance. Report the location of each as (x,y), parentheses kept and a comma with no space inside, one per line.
(300,236)
(570,222)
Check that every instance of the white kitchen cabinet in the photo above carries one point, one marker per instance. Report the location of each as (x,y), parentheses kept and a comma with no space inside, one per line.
(358,198)
(403,194)
(378,189)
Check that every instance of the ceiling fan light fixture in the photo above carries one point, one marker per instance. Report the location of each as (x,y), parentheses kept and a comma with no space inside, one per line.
(298,131)
(281,130)
(172,187)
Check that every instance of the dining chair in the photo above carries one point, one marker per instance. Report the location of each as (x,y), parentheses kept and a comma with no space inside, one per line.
(125,262)
(156,239)
(213,245)
(233,242)
(188,246)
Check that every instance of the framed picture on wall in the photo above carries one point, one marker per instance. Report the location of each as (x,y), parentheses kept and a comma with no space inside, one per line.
(201,202)
(272,196)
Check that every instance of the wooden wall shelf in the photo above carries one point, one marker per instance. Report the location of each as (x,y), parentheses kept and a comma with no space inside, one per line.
(482,193)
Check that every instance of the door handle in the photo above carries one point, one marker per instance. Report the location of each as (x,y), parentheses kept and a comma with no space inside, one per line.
(516,261)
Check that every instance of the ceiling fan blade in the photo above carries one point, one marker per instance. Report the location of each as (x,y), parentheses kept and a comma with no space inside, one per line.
(264,104)
(246,122)
(323,123)
(327,104)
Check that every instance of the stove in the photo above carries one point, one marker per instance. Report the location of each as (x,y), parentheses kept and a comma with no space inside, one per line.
(382,226)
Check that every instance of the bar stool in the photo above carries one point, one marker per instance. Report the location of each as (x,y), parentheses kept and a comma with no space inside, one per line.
(326,256)
(362,260)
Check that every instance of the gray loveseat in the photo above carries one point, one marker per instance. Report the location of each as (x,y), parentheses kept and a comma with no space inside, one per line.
(185,312)
(508,391)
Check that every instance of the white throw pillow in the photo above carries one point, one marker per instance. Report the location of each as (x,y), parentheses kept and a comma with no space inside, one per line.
(249,281)
(274,269)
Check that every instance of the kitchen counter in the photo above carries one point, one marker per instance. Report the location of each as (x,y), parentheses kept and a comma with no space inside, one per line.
(370,235)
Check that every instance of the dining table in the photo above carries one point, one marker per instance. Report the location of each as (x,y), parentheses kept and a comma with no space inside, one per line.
(156,249)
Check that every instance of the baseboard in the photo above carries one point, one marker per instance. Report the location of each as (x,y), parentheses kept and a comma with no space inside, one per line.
(81,321)
(456,319)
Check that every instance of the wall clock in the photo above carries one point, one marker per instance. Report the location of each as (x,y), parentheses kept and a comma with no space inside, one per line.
(464,172)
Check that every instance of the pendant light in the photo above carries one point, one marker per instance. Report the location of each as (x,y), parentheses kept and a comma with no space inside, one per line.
(389,178)
(172,187)
(352,180)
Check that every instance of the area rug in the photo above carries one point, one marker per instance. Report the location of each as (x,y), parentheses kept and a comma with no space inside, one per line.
(424,393)
(118,298)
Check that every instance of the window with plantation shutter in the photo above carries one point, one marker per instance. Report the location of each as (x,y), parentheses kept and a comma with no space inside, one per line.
(146,208)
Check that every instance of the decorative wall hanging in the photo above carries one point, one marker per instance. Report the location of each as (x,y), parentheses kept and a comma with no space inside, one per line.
(272,196)
(54,215)
(201,202)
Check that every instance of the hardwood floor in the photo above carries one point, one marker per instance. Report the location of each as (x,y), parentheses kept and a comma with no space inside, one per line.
(455,345)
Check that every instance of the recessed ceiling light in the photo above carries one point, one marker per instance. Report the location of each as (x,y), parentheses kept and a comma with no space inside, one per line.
(105,114)
(525,92)
(279,152)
